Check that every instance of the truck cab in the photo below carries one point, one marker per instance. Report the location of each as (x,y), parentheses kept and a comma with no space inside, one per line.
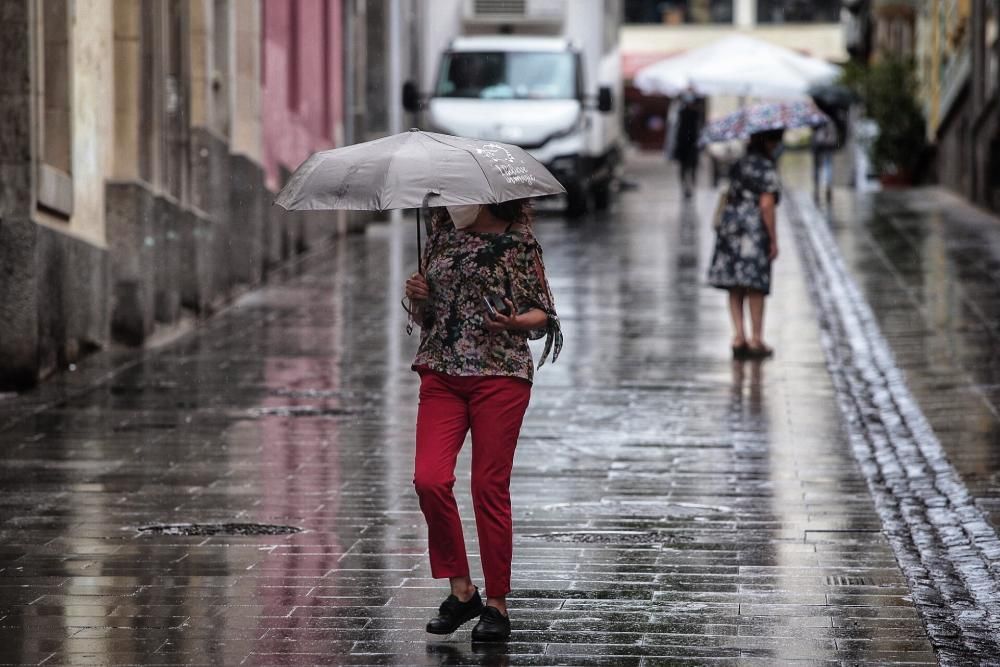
(537,92)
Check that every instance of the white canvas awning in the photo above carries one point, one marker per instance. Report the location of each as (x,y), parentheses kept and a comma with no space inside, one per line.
(737,65)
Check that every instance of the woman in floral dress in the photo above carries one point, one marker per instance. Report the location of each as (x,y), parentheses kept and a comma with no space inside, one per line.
(475,373)
(747,241)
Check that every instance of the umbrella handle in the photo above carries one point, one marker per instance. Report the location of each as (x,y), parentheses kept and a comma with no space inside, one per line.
(420,251)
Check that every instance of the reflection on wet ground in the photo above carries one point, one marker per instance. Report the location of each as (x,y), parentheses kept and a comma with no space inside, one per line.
(929,264)
(671,506)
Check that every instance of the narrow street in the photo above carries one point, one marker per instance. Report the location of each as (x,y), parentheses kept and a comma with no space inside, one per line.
(671,506)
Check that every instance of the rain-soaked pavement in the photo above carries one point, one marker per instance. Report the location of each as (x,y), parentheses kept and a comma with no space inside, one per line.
(671,506)
(929,263)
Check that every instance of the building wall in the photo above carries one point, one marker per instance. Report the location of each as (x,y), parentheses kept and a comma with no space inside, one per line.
(55,265)
(133,147)
(958,51)
(301,82)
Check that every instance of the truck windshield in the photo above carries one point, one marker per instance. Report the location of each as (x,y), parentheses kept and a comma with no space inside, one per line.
(508,76)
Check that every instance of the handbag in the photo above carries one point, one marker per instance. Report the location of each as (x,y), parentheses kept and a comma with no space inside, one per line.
(720,208)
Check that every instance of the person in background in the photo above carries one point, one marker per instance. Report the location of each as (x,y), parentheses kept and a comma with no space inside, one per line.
(686,118)
(747,240)
(825,140)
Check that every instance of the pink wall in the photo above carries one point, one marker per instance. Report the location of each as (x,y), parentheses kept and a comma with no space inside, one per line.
(302,81)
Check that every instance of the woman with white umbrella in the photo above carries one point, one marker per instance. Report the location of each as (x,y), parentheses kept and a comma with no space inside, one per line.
(482,296)
(478,297)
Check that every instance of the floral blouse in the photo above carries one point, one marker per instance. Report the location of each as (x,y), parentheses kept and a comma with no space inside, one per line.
(462,267)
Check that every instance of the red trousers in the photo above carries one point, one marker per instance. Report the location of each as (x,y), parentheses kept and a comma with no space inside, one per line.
(493,407)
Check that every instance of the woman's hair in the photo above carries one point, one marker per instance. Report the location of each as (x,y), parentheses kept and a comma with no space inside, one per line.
(760,143)
(515,211)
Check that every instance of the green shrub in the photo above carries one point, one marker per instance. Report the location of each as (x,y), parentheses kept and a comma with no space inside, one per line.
(888,90)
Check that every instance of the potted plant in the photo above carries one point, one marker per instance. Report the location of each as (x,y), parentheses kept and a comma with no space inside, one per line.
(888,90)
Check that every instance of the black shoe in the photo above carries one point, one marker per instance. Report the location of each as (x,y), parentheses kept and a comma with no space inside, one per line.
(759,352)
(453,613)
(492,626)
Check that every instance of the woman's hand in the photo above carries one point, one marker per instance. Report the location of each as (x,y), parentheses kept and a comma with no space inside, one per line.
(768,202)
(417,288)
(500,322)
(526,321)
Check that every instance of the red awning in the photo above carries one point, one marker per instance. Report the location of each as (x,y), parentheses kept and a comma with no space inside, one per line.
(635,61)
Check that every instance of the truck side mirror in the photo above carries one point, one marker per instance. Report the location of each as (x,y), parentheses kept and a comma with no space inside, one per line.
(411,98)
(605,102)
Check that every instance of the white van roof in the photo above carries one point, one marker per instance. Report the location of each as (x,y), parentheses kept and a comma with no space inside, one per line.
(509,43)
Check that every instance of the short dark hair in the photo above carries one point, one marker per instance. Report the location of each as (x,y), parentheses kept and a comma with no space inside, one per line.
(515,211)
(759,141)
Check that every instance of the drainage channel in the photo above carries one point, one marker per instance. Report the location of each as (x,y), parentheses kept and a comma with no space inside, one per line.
(948,552)
(213,529)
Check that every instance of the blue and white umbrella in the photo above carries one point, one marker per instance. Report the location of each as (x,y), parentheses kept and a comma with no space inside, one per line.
(761,118)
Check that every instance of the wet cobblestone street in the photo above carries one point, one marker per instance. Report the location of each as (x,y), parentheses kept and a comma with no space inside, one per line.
(671,506)
(929,264)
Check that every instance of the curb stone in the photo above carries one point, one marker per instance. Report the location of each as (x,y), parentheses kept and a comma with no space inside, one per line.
(947,550)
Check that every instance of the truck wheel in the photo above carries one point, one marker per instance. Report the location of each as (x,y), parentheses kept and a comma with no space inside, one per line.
(602,195)
(576,201)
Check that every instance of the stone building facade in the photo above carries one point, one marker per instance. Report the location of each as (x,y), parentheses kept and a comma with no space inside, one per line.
(958,52)
(141,144)
(956,48)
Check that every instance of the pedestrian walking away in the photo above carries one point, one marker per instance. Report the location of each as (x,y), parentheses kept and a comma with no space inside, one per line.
(825,141)
(682,143)
(483,295)
(747,242)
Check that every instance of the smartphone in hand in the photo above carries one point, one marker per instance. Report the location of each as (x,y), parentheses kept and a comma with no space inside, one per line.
(491,311)
(494,305)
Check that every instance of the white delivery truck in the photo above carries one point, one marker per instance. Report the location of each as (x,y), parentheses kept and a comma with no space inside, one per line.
(542,74)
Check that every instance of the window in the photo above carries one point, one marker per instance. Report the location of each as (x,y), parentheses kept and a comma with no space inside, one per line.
(176,163)
(294,67)
(163,157)
(55,187)
(991,27)
(506,76)
(222,76)
(798,11)
(677,12)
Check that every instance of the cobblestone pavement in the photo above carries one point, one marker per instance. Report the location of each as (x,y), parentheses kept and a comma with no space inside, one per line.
(929,263)
(671,506)
(946,547)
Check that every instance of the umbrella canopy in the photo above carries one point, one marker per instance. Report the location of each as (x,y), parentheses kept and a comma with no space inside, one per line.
(399,171)
(761,118)
(737,65)
(833,96)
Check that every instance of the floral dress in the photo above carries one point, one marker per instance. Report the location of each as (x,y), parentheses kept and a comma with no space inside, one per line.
(742,243)
(461,267)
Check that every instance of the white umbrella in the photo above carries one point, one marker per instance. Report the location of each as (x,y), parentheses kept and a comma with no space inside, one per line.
(737,65)
(412,169)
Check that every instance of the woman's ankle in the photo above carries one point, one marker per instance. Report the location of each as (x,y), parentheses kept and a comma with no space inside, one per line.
(462,588)
(499,603)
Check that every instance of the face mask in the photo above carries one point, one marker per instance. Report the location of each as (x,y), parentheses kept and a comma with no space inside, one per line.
(464,216)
